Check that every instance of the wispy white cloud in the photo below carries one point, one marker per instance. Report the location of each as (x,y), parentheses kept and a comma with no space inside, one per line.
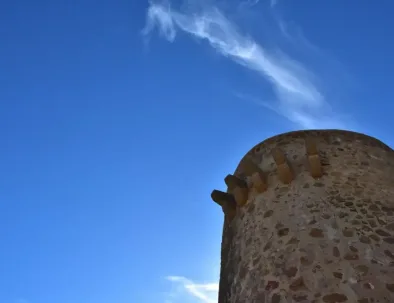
(186,289)
(298,96)
(159,15)
(212,26)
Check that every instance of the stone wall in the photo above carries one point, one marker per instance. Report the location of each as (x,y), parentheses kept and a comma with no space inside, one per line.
(312,222)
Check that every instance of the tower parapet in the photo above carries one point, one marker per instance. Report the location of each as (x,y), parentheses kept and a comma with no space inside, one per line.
(309,217)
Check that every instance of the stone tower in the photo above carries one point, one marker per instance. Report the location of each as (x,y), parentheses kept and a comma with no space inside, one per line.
(309,217)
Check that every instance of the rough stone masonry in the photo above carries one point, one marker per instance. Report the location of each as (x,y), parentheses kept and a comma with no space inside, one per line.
(309,217)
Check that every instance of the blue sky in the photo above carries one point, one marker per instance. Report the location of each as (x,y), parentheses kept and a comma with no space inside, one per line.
(118,119)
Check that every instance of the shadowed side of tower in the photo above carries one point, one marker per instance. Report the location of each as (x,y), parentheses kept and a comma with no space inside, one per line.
(309,217)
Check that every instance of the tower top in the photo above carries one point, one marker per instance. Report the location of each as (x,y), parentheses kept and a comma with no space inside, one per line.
(309,217)
(285,157)
(330,136)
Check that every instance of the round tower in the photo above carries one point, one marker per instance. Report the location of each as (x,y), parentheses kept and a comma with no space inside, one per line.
(309,217)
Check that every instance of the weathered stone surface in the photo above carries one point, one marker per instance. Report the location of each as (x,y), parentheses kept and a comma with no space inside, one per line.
(326,240)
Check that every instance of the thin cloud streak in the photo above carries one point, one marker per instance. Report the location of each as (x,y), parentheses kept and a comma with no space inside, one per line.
(299,98)
(222,35)
(204,292)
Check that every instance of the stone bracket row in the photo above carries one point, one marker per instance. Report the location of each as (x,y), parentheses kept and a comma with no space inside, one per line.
(238,189)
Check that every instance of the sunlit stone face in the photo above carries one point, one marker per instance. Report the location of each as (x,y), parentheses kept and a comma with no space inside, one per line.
(315,239)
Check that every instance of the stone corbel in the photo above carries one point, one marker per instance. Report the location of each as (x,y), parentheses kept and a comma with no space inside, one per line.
(226,201)
(314,162)
(284,171)
(256,175)
(239,189)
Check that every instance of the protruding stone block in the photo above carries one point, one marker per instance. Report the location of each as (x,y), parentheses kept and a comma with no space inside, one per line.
(312,152)
(249,167)
(256,175)
(279,156)
(284,172)
(219,197)
(233,182)
(240,195)
(226,201)
(311,147)
(258,182)
(315,166)
(239,188)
